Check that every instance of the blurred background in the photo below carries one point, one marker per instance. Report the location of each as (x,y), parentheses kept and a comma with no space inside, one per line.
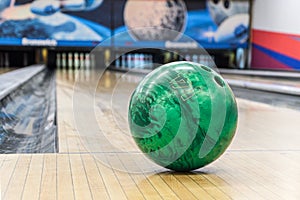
(236,34)
(62,35)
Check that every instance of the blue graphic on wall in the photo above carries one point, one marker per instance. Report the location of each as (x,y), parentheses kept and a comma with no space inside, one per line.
(53,22)
(212,24)
(217,25)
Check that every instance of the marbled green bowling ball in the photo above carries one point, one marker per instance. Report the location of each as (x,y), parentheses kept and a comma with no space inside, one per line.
(183,116)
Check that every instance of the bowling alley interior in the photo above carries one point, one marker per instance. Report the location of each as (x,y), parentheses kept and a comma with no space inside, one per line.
(149,99)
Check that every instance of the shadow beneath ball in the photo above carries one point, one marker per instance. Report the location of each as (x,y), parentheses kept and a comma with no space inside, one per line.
(190,173)
(174,180)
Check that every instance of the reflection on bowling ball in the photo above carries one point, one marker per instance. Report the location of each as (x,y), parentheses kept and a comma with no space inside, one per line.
(153,20)
(183,116)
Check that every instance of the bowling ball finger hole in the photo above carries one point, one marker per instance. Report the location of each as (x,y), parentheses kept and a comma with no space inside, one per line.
(219,81)
(206,68)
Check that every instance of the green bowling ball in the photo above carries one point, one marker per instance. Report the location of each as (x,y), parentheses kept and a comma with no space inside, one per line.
(183,116)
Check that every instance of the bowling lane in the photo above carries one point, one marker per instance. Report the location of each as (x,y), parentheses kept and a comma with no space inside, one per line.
(83,99)
(98,159)
(276,127)
(262,162)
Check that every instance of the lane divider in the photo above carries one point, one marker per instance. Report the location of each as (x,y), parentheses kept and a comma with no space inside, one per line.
(12,80)
(283,89)
(278,74)
(268,87)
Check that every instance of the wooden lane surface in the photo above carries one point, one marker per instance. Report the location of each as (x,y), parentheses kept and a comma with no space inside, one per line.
(262,162)
(83,177)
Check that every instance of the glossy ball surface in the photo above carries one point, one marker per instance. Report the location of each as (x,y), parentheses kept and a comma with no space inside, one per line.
(183,116)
